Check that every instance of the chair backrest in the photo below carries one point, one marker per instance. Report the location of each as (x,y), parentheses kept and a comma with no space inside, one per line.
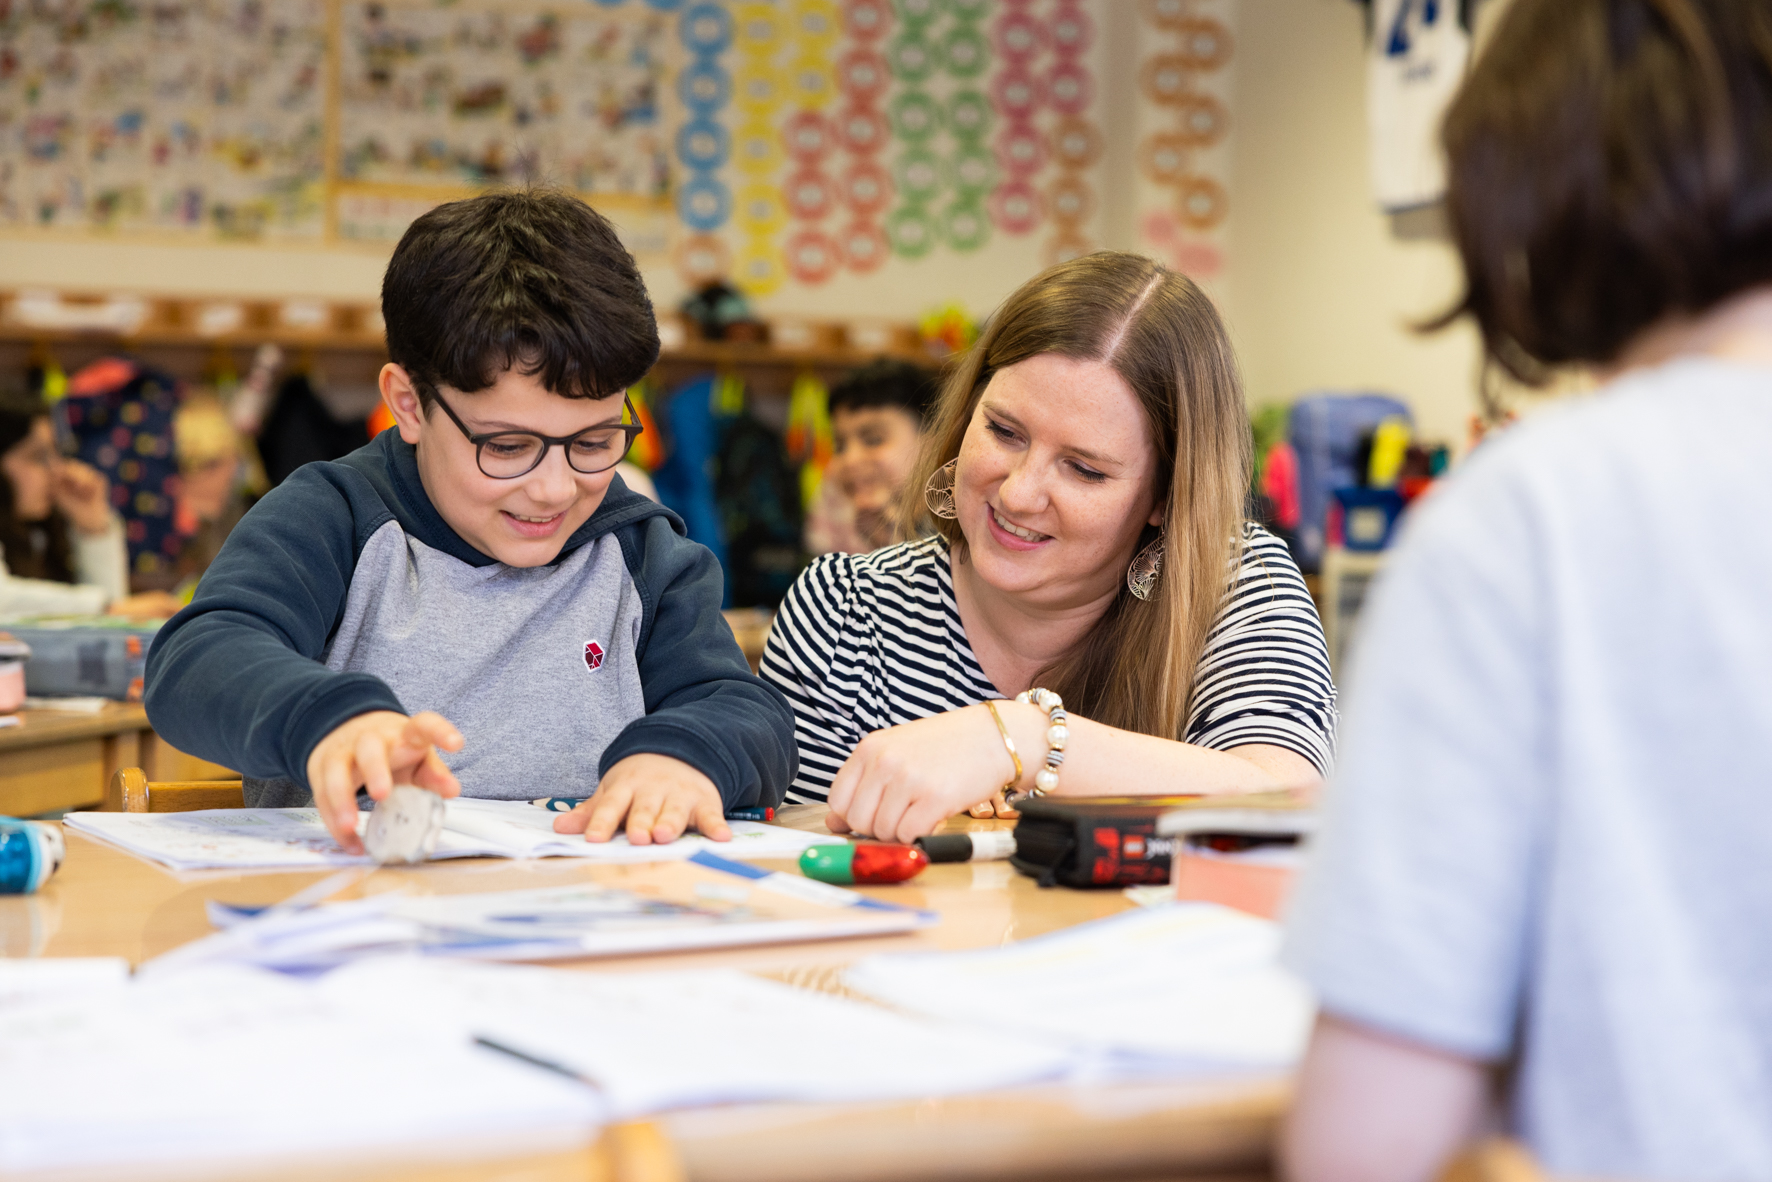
(130,792)
(1496,1159)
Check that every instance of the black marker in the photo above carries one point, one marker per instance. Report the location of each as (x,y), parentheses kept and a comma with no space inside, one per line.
(981,845)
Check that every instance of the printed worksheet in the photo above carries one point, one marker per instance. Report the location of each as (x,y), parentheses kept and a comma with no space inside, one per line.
(237,839)
(752,1040)
(1183,986)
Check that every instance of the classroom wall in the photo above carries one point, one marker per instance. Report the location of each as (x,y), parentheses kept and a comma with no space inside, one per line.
(1320,291)
(904,286)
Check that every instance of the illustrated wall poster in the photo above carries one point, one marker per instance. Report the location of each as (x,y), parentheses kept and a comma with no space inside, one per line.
(1184,128)
(189,116)
(436,96)
(782,144)
(299,119)
(863,132)
(1415,63)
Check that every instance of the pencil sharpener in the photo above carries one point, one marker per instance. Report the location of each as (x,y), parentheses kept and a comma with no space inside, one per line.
(405,827)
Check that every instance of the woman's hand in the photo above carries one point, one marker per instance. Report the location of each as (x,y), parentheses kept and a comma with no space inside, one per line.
(902,782)
(83,495)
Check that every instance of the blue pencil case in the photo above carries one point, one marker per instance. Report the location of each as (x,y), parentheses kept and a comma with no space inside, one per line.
(100,659)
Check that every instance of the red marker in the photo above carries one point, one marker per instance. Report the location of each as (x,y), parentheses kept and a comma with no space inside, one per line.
(867,863)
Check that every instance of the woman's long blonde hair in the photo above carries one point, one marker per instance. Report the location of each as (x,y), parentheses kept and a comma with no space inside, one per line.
(1135,669)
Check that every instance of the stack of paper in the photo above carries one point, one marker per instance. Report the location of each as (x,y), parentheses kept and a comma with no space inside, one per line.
(1178,988)
(410,1057)
(704,902)
(237,839)
(229,1065)
(656,1041)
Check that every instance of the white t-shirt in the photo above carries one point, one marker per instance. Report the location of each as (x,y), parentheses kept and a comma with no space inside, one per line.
(1550,834)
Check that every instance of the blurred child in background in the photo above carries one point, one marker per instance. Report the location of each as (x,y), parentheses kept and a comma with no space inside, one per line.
(210,500)
(61,545)
(877,419)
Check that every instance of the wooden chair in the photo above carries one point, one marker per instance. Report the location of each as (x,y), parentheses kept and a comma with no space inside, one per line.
(1497,1159)
(130,792)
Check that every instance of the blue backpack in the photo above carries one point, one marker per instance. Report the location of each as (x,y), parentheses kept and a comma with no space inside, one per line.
(1325,430)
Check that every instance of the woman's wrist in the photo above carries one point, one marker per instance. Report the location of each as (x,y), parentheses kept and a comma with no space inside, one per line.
(1027,725)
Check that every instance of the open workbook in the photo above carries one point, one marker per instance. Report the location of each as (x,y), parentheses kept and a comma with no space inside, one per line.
(699,902)
(241,839)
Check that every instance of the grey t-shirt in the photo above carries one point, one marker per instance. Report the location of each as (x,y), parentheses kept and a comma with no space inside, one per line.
(1550,833)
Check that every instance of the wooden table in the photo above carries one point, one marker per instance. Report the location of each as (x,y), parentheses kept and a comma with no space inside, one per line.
(108,903)
(63,759)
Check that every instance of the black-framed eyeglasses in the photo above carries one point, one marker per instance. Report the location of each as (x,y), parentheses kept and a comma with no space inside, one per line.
(506,455)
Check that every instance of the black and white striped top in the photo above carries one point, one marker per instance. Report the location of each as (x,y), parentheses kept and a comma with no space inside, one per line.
(866,641)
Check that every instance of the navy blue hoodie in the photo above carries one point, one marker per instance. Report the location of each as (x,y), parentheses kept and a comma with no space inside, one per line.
(344,591)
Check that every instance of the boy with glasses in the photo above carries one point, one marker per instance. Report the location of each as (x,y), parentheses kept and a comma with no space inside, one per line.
(474,602)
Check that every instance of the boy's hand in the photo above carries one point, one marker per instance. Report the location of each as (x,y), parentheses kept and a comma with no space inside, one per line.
(376,751)
(659,796)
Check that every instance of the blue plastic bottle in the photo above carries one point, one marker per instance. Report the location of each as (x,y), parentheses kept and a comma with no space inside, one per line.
(30,851)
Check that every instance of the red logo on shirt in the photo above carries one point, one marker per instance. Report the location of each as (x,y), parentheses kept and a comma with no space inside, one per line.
(593,656)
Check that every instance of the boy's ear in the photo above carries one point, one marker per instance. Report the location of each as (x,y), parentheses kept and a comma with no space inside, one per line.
(401,397)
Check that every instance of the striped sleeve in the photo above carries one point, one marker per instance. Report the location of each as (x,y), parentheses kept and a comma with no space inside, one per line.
(1264,677)
(808,639)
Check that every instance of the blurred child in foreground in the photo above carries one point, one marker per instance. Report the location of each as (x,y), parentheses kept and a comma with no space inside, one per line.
(877,420)
(1543,878)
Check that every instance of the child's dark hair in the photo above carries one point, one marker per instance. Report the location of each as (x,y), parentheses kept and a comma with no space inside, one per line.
(887,383)
(33,549)
(535,280)
(1610,165)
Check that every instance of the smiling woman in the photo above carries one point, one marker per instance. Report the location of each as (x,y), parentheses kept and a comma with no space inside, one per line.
(1086,471)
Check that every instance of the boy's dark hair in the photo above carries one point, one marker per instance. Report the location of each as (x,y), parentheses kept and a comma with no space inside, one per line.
(887,383)
(1610,165)
(535,280)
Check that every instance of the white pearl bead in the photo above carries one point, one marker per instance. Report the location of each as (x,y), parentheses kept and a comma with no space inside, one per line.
(1056,736)
(1046,779)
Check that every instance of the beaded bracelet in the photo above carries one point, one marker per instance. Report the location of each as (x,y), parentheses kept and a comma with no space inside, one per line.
(1057,735)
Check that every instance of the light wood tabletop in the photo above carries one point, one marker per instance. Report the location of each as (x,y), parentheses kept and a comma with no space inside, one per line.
(105,902)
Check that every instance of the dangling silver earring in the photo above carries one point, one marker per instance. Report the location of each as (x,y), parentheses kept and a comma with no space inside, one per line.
(1147,564)
(938,494)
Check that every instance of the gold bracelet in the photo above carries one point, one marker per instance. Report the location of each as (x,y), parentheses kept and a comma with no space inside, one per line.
(1008,745)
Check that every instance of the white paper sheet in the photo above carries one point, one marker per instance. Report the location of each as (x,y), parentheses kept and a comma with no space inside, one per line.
(528,831)
(225,1064)
(28,979)
(238,839)
(708,903)
(220,838)
(1184,986)
(657,1041)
